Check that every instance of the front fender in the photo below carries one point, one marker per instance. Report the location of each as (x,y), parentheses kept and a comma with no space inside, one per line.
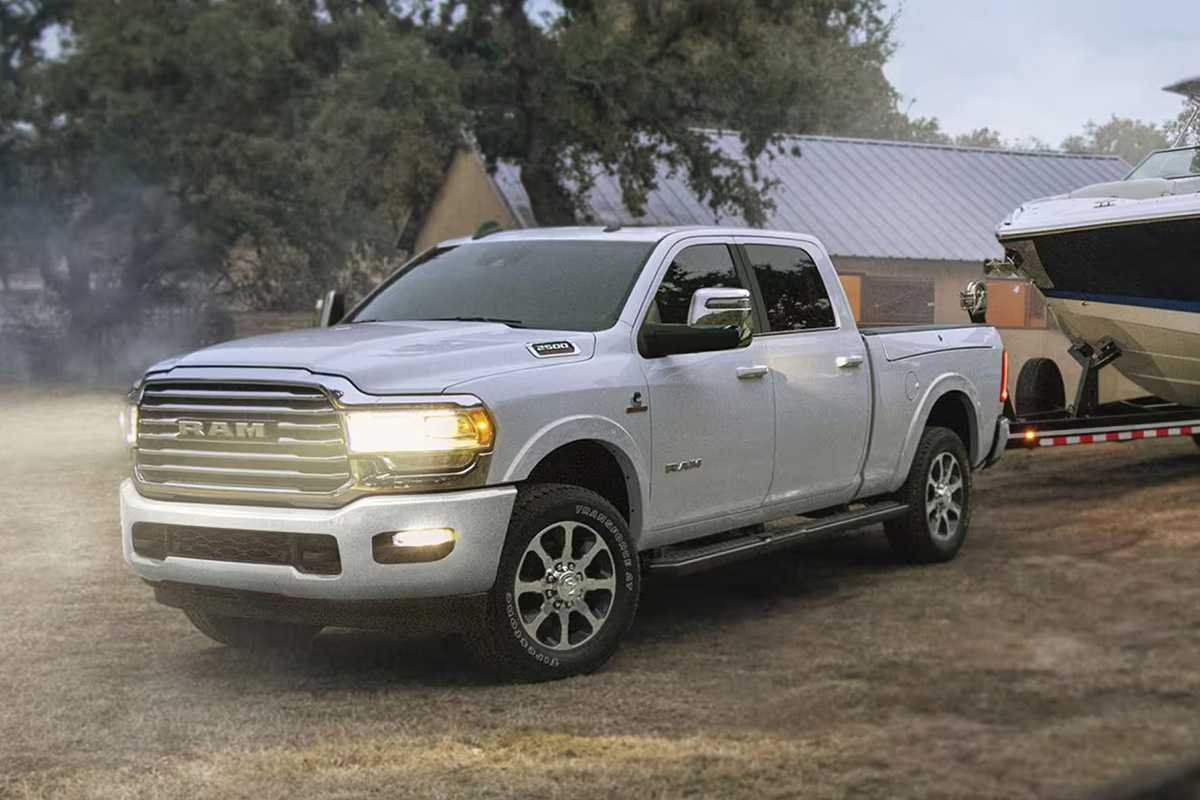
(586,427)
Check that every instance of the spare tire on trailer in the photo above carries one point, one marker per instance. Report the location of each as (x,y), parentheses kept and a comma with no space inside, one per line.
(1039,387)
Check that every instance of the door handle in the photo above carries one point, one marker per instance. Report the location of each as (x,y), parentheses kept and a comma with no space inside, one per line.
(849,362)
(751,373)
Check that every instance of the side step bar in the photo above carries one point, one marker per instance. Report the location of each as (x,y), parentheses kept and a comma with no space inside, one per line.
(684,560)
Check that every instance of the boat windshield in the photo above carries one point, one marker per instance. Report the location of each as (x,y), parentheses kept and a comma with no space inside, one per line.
(1181,163)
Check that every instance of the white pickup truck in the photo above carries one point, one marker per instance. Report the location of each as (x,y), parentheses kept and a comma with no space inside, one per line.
(512,429)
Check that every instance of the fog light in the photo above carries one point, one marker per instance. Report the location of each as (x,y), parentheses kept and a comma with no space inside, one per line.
(426,538)
(413,547)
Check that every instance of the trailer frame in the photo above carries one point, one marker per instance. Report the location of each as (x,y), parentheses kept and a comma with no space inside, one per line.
(1088,421)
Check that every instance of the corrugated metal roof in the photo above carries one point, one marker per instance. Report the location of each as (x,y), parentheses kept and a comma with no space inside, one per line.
(864,197)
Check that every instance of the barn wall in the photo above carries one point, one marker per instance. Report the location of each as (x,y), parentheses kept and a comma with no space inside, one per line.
(466,200)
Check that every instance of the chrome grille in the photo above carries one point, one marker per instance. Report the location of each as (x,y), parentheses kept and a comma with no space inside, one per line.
(215,440)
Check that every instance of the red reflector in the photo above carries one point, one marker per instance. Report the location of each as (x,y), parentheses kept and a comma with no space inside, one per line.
(1004,377)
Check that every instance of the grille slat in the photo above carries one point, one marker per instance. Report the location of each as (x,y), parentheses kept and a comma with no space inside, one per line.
(219,411)
(282,441)
(315,426)
(254,473)
(167,393)
(204,437)
(252,456)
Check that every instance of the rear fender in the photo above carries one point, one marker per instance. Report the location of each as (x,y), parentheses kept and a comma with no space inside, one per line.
(937,389)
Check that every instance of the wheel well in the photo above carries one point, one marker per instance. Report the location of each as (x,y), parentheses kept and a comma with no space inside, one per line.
(953,410)
(590,465)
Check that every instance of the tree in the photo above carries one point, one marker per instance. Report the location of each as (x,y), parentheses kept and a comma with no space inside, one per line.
(23,26)
(980,137)
(1131,139)
(625,86)
(244,148)
(1184,128)
(259,144)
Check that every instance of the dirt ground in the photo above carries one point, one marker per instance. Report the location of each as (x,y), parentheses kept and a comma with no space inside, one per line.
(1058,652)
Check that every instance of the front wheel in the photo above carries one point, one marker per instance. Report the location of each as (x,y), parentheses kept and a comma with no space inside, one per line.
(566,588)
(938,495)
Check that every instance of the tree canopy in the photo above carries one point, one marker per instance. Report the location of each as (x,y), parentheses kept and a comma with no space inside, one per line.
(625,86)
(259,146)
(1131,139)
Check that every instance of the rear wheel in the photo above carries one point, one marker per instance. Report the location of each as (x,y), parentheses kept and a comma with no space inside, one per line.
(252,634)
(566,589)
(938,495)
(1040,387)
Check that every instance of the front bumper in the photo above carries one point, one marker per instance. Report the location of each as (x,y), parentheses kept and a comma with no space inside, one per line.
(479,517)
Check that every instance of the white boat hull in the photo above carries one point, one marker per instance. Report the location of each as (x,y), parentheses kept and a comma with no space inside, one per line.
(1160,347)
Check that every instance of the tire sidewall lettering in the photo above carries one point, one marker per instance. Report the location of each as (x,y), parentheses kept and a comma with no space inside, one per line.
(599,519)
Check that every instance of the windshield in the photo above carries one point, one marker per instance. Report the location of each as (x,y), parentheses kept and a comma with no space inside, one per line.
(1180,163)
(577,285)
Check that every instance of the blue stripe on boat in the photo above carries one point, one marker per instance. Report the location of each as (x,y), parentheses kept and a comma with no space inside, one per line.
(1122,300)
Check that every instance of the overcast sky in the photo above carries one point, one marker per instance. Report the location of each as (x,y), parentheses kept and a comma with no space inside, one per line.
(1043,67)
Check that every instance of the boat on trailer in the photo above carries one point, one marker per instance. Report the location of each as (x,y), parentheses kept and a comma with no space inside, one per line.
(1119,264)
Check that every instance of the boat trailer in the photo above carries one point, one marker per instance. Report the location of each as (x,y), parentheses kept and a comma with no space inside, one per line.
(1040,417)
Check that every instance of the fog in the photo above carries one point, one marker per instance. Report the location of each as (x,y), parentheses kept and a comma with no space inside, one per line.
(97,296)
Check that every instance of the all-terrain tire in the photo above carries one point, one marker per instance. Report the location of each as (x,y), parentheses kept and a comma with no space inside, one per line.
(558,533)
(1039,387)
(938,495)
(252,634)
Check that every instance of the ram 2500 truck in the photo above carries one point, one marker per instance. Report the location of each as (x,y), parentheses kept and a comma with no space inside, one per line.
(512,429)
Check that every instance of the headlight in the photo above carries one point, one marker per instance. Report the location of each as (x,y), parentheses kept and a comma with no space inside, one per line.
(421,441)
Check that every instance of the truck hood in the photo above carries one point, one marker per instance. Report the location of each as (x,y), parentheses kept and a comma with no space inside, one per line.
(399,357)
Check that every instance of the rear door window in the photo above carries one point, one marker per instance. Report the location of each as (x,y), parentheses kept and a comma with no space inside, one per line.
(792,288)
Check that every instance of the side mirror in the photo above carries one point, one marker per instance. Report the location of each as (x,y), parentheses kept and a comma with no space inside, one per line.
(330,309)
(658,340)
(722,306)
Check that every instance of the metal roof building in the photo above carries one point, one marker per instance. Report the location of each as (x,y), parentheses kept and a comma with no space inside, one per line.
(865,198)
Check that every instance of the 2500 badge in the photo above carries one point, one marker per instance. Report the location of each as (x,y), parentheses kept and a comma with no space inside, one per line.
(552,349)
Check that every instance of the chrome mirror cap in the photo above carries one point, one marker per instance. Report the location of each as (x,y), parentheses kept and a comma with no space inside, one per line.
(720,306)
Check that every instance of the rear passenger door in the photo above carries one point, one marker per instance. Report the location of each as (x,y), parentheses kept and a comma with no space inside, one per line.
(822,383)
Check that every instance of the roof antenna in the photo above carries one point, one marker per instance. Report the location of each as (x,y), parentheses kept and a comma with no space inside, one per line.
(613,228)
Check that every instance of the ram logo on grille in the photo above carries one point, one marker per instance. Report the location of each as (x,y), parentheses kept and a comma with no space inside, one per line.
(223,430)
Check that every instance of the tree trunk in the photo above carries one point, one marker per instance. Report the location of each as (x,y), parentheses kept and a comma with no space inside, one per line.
(552,205)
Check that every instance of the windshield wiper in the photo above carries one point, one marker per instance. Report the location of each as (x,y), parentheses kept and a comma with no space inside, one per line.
(512,323)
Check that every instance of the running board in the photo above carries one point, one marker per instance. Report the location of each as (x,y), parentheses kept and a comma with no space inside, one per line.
(684,560)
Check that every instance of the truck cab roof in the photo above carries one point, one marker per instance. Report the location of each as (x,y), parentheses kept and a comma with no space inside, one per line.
(632,233)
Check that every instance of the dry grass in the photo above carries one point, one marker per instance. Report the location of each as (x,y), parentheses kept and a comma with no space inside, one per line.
(1057,653)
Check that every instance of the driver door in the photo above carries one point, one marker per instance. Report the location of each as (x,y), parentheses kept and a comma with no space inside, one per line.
(712,414)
